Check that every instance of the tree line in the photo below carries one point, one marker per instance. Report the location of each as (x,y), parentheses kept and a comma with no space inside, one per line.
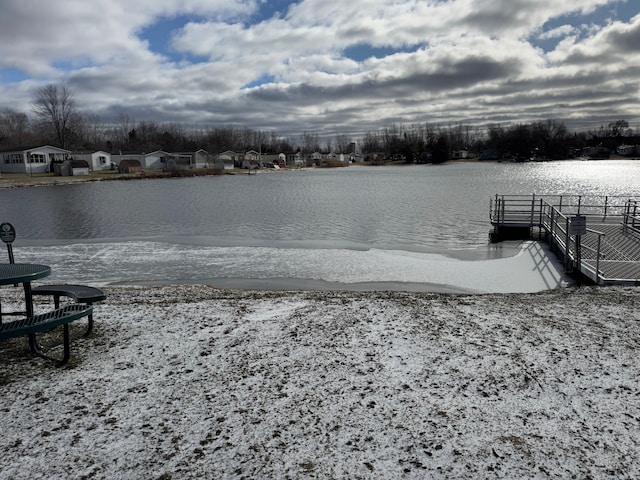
(56,120)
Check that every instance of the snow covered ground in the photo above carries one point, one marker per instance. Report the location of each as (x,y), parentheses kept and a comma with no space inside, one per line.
(193,382)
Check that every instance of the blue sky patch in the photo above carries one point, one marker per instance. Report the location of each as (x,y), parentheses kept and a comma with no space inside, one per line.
(272,8)
(70,65)
(263,79)
(621,11)
(160,34)
(12,75)
(362,52)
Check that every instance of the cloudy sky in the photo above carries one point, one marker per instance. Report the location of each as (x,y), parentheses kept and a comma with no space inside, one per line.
(328,66)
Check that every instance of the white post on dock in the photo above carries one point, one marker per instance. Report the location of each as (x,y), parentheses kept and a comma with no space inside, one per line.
(578,227)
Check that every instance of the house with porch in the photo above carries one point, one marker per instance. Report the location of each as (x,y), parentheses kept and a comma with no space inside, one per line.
(37,159)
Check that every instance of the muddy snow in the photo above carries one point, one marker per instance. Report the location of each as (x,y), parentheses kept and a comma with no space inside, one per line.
(194,382)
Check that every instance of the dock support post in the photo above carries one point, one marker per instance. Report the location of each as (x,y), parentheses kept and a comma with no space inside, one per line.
(567,239)
(533,206)
(577,268)
(598,261)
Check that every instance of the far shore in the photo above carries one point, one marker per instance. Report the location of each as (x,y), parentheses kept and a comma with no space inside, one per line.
(12,180)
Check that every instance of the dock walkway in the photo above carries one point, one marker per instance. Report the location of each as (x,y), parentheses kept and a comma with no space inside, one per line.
(598,237)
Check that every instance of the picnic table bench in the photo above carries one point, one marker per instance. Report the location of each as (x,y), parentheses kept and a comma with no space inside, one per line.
(30,324)
(83,294)
(44,322)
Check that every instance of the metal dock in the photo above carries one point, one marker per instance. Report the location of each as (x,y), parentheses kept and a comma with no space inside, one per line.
(596,237)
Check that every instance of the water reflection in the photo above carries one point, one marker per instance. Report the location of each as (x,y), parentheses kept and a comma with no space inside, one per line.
(361,226)
(414,208)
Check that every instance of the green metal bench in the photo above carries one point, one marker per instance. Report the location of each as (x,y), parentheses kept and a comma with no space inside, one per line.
(46,322)
(79,293)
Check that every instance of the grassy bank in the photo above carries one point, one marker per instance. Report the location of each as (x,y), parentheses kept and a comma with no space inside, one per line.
(9,180)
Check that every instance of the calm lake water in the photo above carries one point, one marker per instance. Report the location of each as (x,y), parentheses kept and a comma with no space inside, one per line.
(349,225)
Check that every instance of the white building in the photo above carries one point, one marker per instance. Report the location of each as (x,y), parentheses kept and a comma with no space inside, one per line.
(163,160)
(227,160)
(158,160)
(31,159)
(296,159)
(97,160)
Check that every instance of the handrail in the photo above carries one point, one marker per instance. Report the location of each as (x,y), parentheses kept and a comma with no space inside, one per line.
(553,214)
(570,254)
(558,229)
(631,216)
(529,209)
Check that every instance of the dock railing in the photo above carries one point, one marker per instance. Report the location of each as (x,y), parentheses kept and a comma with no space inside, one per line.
(552,215)
(524,210)
(528,210)
(587,250)
(631,217)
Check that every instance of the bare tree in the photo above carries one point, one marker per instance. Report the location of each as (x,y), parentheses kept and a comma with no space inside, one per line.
(221,138)
(550,137)
(431,134)
(391,139)
(91,131)
(462,136)
(147,136)
(14,127)
(370,142)
(342,143)
(56,111)
(259,141)
(120,132)
(310,142)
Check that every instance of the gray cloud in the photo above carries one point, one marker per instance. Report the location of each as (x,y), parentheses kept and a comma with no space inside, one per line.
(472,62)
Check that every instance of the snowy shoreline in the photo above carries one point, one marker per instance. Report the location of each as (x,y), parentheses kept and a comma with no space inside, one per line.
(196,382)
(522,267)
